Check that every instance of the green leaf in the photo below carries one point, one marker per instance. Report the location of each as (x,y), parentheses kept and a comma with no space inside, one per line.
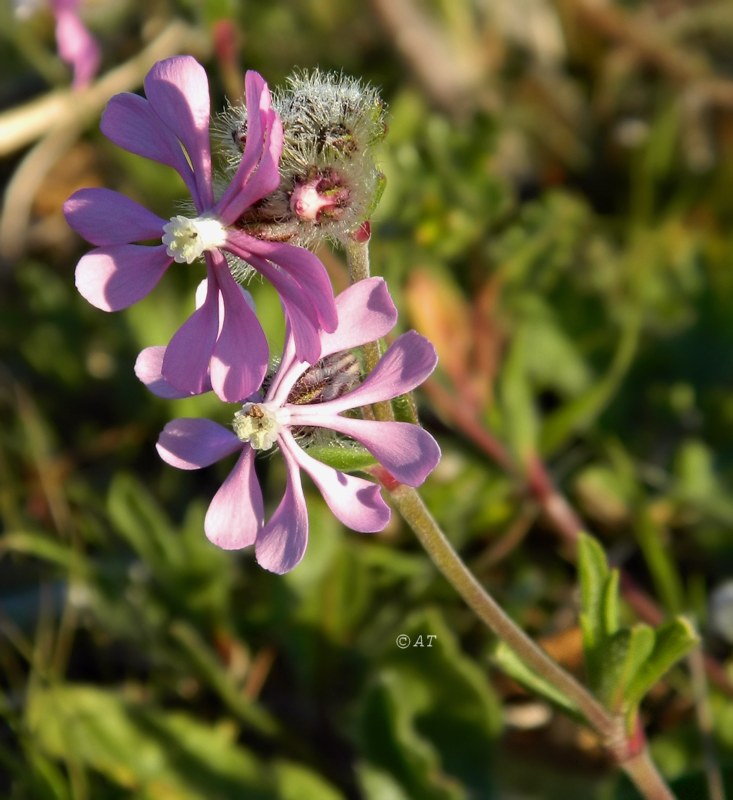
(609,604)
(429,719)
(517,399)
(622,656)
(507,661)
(210,668)
(578,413)
(597,613)
(295,782)
(673,640)
(145,750)
(138,518)
(376,784)
(42,546)
(667,579)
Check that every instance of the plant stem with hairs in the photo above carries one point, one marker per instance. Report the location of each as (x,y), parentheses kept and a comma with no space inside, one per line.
(629,752)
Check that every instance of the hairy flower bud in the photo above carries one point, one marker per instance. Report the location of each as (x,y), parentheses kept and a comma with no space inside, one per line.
(327,379)
(329,182)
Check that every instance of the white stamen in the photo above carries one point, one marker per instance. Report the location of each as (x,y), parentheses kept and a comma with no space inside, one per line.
(186,239)
(256,424)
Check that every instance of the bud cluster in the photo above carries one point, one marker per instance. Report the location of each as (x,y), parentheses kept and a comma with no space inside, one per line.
(329,183)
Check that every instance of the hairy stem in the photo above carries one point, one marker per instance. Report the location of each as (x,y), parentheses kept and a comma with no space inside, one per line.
(413,510)
(357,259)
(642,771)
(631,755)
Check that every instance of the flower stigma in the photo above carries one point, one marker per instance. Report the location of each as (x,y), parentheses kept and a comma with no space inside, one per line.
(186,239)
(257,424)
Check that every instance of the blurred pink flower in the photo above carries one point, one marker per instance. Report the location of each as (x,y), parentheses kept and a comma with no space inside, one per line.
(235,518)
(171,126)
(75,44)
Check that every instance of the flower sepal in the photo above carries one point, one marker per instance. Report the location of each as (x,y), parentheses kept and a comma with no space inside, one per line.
(344,458)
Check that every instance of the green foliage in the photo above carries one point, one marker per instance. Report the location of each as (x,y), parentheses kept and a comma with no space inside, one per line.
(428,719)
(155,754)
(556,219)
(622,663)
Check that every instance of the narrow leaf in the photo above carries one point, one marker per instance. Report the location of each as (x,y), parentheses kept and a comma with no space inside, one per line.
(673,640)
(507,661)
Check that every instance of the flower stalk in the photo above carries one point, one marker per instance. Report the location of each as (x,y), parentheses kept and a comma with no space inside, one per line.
(630,753)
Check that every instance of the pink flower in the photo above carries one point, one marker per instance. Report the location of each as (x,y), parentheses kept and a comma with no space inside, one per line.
(235,518)
(171,126)
(75,44)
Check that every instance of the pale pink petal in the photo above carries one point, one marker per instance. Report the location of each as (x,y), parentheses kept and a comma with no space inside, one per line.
(104,217)
(282,541)
(115,277)
(366,313)
(236,512)
(187,357)
(288,371)
(356,502)
(148,369)
(241,354)
(75,44)
(178,91)
(131,123)
(257,174)
(195,443)
(405,365)
(407,451)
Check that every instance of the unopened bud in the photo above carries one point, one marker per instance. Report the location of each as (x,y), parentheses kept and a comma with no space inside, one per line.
(327,379)
(329,182)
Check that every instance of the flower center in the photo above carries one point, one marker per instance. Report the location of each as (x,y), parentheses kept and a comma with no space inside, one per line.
(186,239)
(257,424)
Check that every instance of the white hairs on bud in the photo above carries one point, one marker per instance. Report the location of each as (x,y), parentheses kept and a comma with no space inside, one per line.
(331,123)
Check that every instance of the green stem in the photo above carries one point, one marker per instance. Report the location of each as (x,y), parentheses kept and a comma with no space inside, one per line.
(632,756)
(610,728)
(642,771)
(357,259)
(413,510)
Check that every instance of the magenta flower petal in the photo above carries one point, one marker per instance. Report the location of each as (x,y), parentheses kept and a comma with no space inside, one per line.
(235,514)
(115,277)
(356,502)
(195,443)
(241,354)
(405,365)
(148,368)
(407,451)
(366,313)
(131,123)
(302,283)
(306,269)
(257,174)
(282,541)
(75,44)
(104,217)
(178,91)
(298,311)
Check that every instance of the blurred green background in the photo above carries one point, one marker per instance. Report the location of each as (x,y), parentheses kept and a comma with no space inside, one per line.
(557,219)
